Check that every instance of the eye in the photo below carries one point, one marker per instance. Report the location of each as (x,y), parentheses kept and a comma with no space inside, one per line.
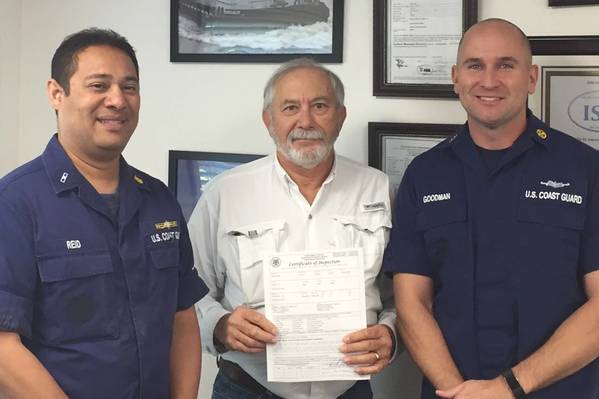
(290,108)
(475,67)
(321,106)
(98,86)
(507,65)
(131,88)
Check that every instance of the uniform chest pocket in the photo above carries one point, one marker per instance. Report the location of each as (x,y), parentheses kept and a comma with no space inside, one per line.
(254,242)
(77,299)
(369,231)
(552,231)
(443,226)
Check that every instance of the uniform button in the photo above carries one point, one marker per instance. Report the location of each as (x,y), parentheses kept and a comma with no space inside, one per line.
(310,216)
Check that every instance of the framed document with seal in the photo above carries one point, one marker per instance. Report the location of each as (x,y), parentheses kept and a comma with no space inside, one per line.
(415,45)
(392,146)
(570,101)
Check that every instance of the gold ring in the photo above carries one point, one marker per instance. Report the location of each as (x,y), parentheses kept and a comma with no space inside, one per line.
(378,357)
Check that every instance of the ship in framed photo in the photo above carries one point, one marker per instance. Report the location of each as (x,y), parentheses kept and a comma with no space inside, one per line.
(253,14)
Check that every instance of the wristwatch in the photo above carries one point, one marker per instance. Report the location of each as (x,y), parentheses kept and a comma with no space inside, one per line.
(514,385)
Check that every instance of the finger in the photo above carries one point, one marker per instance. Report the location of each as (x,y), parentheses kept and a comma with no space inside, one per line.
(261,321)
(240,347)
(247,341)
(257,333)
(451,393)
(367,333)
(373,369)
(369,358)
(370,345)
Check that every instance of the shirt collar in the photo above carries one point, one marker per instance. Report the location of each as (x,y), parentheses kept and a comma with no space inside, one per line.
(284,176)
(64,176)
(535,130)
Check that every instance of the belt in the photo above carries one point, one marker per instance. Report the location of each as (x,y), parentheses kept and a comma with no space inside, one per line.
(239,376)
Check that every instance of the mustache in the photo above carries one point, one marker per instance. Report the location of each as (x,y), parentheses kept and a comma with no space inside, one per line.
(302,134)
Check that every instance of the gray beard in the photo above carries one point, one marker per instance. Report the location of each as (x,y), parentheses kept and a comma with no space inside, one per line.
(307,159)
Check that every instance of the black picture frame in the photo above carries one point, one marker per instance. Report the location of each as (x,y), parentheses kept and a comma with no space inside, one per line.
(379,134)
(564,45)
(187,186)
(383,88)
(243,56)
(564,3)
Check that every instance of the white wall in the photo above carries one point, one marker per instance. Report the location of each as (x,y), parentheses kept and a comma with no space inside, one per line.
(10,20)
(216,107)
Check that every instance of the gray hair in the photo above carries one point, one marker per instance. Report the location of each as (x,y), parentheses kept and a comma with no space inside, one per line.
(299,63)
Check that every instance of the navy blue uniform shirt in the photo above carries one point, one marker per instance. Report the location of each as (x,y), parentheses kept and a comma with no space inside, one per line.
(92,294)
(506,248)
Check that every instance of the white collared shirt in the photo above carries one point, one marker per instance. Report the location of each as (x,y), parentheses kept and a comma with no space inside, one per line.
(256,208)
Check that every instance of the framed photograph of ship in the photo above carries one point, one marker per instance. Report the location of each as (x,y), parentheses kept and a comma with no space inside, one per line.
(190,171)
(256,30)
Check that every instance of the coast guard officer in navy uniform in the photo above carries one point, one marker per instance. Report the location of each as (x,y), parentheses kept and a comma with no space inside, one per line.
(495,247)
(97,284)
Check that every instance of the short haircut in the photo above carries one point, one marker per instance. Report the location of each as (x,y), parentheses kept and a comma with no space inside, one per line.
(521,33)
(64,61)
(301,63)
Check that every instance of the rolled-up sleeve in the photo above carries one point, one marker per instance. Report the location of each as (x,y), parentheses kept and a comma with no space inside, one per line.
(18,271)
(203,233)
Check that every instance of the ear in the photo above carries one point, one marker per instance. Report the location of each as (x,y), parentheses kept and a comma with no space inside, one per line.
(454,78)
(533,78)
(56,94)
(267,118)
(341,114)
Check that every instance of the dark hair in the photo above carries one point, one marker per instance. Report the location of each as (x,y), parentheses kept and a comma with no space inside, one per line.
(64,61)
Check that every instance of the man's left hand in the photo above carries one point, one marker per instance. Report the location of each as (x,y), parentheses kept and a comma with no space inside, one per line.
(479,389)
(370,348)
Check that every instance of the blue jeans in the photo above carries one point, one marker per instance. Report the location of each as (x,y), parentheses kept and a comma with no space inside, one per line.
(225,388)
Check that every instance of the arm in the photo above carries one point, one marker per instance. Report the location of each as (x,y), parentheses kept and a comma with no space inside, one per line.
(420,332)
(242,329)
(23,376)
(185,355)
(571,347)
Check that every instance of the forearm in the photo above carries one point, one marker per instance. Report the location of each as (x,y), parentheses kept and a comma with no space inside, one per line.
(423,338)
(21,373)
(185,356)
(573,345)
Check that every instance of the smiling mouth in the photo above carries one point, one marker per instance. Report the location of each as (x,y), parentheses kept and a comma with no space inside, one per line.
(112,123)
(489,99)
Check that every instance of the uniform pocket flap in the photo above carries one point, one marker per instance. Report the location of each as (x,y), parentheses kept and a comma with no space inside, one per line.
(163,258)
(551,215)
(435,216)
(369,222)
(257,229)
(74,266)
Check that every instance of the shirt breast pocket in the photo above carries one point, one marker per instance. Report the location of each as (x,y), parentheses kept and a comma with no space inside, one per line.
(254,242)
(369,231)
(552,231)
(77,299)
(445,232)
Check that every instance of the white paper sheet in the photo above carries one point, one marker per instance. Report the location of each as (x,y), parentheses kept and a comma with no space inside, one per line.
(314,299)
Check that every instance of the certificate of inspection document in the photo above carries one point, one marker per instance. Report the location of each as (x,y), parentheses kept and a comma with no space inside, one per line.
(314,299)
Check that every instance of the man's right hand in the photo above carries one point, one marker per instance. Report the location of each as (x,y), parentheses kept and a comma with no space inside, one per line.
(245,330)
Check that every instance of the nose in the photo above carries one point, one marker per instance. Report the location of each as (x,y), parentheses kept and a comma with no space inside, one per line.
(305,119)
(115,98)
(489,78)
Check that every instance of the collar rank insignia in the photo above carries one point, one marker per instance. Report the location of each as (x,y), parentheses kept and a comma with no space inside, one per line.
(542,134)
(167,224)
(138,179)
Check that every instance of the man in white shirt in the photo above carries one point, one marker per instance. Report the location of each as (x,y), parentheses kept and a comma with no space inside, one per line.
(302,198)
